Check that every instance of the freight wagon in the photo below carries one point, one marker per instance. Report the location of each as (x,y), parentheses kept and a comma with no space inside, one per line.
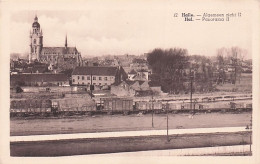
(84,105)
(70,106)
(116,104)
(24,107)
(144,105)
(45,107)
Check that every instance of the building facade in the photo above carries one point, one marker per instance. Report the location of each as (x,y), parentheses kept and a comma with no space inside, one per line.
(39,80)
(62,57)
(101,77)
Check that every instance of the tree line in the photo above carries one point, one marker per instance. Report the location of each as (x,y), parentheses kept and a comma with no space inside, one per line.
(173,69)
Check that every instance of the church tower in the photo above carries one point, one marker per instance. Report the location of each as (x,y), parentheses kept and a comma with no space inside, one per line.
(36,42)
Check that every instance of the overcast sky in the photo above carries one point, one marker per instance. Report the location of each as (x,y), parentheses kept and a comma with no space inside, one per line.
(134,31)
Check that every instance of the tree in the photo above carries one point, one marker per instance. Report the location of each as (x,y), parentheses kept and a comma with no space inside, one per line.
(232,58)
(169,64)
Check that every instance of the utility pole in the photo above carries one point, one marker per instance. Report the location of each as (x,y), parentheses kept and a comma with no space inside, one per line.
(152,110)
(235,62)
(191,78)
(249,127)
(91,86)
(167,106)
(251,135)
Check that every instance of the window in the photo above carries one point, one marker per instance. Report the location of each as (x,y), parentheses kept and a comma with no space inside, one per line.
(105,83)
(99,83)
(105,78)
(34,41)
(94,83)
(78,77)
(88,77)
(100,78)
(82,77)
(73,80)
(94,77)
(83,83)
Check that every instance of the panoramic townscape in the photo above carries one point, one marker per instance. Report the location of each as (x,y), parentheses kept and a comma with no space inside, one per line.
(64,102)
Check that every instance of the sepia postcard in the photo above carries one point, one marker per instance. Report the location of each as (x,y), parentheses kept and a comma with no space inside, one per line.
(130,81)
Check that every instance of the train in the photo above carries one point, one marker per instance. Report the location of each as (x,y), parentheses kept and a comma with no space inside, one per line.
(84,105)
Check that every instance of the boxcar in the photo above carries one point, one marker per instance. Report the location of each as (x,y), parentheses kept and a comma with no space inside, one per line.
(30,106)
(117,104)
(73,105)
(145,105)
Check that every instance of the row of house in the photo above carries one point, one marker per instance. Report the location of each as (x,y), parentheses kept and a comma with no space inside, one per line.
(103,78)
(39,80)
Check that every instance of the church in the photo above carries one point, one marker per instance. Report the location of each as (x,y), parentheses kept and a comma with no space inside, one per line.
(61,57)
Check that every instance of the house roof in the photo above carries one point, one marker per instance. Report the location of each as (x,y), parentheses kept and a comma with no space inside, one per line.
(139,61)
(39,77)
(59,50)
(39,68)
(132,72)
(130,83)
(102,71)
(140,77)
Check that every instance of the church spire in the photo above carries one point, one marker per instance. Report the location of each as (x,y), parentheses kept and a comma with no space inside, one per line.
(66,44)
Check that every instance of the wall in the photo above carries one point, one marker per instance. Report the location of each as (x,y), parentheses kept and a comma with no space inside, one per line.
(120,91)
(52,89)
(83,80)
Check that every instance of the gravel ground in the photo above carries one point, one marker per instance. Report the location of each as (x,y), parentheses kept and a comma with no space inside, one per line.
(102,123)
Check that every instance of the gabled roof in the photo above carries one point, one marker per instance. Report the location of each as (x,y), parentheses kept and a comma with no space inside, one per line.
(130,82)
(101,71)
(136,85)
(34,69)
(39,77)
(145,86)
(139,78)
(59,50)
(132,72)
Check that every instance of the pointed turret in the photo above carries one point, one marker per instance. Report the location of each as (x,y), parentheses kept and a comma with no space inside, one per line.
(35,23)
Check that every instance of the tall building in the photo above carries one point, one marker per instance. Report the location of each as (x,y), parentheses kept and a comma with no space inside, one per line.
(35,41)
(62,57)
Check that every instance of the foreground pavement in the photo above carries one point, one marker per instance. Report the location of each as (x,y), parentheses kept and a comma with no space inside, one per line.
(125,134)
(218,150)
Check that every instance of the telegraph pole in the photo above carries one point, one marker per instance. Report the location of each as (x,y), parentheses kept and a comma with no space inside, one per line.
(249,127)
(152,110)
(191,78)
(167,106)
(91,86)
(235,62)
(251,135)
